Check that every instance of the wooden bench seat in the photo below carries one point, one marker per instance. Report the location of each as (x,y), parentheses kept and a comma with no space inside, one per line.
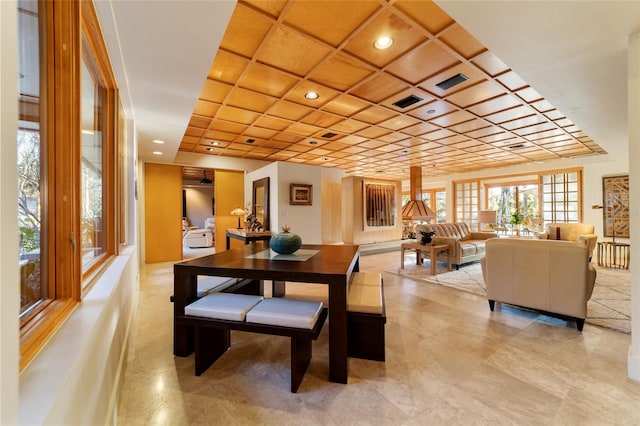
(213,335)
(366,316)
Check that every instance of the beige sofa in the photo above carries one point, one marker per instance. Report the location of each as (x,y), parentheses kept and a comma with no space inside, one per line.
(578,232)
(550,276)
(464,245)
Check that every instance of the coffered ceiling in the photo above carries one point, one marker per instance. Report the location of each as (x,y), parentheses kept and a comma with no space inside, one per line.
(252,104)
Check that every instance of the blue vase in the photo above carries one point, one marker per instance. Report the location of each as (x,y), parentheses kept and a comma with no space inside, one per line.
(285,242)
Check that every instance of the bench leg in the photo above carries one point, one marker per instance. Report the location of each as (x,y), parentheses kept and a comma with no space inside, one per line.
(210,344)
(300,359)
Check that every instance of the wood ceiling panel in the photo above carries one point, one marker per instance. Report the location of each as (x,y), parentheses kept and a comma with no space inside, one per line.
(274,52)
(215,91)
(346,105)
(390,24)
(420,129)
(453,118)
(272,123)
(374,115)
(349,126)
(321,119)
(289,110)
(227,67)
(481,92)
(288,50)
(427,14)
(512,81)
(490,63)
(237,115)
(206,108)
(492,106)
(267,80)
(461,41)
(422,62)
(340,72)
(247,99)
(242,38)
(379,87)
(302,129)
(227,126)
(329,24)
(510,114)
(432,110)
(399,122)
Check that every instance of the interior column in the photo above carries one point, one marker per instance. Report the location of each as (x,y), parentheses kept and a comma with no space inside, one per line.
(633,99)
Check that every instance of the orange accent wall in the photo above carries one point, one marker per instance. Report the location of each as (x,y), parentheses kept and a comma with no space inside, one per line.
(229,195)
(163,212)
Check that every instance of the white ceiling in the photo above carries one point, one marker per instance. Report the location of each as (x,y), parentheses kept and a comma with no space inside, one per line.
(575,57)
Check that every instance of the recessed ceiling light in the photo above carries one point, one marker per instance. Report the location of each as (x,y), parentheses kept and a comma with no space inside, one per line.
(431,111)
(325,158)
(157,153)
(313,142)
(311,95)
(209,149)
(250,140)
(383,42)
(158,141)
(216,143)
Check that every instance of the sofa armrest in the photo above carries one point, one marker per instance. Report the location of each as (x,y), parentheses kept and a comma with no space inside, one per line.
(589,240)
(483,235)
(452,242)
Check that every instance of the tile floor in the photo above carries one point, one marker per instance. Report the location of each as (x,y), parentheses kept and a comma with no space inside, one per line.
(449,361)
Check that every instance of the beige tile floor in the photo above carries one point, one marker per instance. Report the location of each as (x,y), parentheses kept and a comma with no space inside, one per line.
(450,361)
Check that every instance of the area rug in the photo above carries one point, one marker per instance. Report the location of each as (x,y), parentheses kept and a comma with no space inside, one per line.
(609,306)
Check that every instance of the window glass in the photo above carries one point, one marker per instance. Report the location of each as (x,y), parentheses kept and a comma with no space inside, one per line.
(92,224)
(30,206)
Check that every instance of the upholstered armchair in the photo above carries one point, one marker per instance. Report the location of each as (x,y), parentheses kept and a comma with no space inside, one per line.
(550,276)
(577,232)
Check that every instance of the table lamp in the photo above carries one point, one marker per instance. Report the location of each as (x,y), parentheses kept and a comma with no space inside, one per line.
(486,217)
(238,212)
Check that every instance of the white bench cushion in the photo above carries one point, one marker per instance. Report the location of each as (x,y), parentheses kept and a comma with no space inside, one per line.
(285,312)
(227,306)
(211,284)
(364,298)
(366,278)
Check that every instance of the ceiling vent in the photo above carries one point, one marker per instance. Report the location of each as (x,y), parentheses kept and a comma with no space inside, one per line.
(520,145)
(452,81)
(329,135)
(405,102)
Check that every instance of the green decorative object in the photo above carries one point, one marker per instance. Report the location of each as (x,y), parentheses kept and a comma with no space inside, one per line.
(285,242)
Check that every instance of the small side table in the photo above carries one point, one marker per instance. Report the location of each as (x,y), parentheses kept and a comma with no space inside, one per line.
(431,250)
(614,255)
(246,237)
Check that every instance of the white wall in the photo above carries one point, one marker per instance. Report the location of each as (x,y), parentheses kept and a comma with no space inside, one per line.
(9,290)
(307,221)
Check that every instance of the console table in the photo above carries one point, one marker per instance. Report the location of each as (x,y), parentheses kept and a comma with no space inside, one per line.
(431,250)
(247,237)
(614,255)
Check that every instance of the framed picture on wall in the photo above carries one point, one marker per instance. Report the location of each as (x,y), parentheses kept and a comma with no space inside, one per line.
(300,194)
(615,194)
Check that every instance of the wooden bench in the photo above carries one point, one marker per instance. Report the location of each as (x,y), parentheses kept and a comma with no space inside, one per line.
(301,321)
(366,316)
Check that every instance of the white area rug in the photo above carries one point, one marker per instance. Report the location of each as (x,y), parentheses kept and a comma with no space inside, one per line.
(609,306)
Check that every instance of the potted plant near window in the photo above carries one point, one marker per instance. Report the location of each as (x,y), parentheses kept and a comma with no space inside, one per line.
(516,220)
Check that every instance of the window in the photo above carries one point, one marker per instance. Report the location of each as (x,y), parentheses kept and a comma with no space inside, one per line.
(510,199)
(436,199)
(33,288)
(66,158)
(467,202)
(561,197)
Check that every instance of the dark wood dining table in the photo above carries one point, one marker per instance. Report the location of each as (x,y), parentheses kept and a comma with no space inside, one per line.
(330,265)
